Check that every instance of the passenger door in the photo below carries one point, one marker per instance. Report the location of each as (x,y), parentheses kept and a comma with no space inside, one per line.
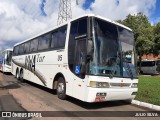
(79,68)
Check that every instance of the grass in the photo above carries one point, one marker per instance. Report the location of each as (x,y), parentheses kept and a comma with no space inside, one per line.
(149,89)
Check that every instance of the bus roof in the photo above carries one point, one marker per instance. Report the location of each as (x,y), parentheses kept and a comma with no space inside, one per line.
(9,49)
(86,15)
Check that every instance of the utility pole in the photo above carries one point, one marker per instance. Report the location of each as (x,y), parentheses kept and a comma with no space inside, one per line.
(65,12)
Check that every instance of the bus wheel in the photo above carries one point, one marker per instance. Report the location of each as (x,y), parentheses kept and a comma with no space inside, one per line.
(21,76)
(17,74)
(61,88)
(141,72)
(129,101)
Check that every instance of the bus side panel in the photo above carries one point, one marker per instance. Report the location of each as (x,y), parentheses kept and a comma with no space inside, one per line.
(14,66)
(47,65)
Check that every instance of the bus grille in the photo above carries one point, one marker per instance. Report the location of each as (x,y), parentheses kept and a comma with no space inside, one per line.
(120,84)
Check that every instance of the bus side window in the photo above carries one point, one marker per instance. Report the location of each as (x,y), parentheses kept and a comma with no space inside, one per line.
(62,36)
(21,49)
(44,42)
(34,45)
(59,38)
(16,50)
(26,47)
(158,62)
(54,39)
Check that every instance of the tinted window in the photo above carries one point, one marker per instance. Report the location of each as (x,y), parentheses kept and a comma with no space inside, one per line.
(148,63)
(44,42)
(34,45)
(78,30)
(62,36)
(158,62)
(54,42)
(26,47)
(71,45)
(82,27)
(21,49)
(59,37)
(16,50)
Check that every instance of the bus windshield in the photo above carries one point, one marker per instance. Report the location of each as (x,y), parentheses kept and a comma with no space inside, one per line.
(158,63)
(113,51)
(9,57)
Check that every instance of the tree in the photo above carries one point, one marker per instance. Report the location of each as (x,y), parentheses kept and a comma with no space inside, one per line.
(156,32)
(143,33)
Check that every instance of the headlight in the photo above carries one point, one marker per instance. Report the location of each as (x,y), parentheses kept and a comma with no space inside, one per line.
(134,85)
(99,84)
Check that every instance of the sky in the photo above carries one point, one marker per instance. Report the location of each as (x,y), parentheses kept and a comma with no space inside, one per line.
(22,19)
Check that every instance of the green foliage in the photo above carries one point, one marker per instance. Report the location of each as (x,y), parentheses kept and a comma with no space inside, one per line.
(143,32)
(148,89)
(156,48)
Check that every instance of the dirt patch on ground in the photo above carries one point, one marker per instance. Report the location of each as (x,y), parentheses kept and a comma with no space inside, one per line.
(29,102)
(3,92)
(1,76)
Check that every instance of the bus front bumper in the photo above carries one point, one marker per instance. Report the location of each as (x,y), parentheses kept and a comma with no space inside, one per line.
(110,94)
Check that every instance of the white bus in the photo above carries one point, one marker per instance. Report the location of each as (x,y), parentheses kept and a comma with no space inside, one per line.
(151,67)
(5,60)
(86,58)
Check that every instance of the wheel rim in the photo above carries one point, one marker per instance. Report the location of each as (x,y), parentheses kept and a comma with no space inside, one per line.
(60,88)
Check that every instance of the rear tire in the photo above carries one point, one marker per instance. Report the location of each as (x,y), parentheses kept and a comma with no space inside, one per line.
(61,88)
(17,74)
(21,76)
(141,72)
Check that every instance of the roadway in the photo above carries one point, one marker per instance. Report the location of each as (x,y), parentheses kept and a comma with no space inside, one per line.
(28,96)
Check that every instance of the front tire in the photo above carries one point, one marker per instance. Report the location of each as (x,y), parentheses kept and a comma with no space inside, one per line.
(61,88)
(129,101)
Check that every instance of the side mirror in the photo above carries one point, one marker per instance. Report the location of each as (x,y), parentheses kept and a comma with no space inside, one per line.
(89,58)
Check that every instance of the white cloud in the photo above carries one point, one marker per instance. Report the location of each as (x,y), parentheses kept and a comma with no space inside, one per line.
(114,11)
(18,23)
(21,19)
